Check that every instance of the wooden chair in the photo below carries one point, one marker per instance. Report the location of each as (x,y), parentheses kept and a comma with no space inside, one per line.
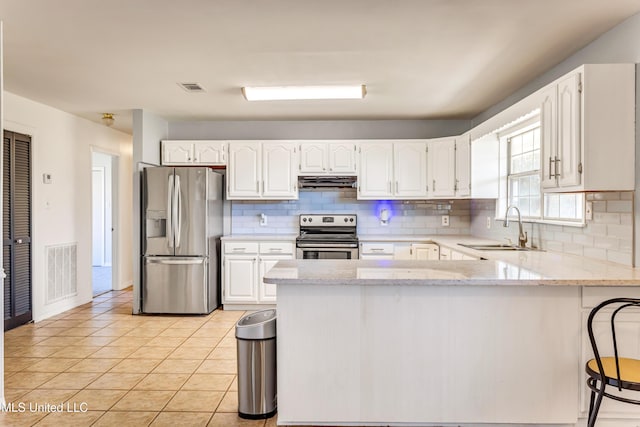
(619,372)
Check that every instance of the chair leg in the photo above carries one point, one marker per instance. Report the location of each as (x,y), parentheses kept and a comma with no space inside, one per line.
(596,407)
(593,397)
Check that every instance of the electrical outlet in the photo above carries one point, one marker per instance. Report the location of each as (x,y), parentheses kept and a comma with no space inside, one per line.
(488,222)
(445,220)
(588,211)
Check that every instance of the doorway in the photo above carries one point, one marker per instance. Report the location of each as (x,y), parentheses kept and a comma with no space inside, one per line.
(16,229)
(104,187)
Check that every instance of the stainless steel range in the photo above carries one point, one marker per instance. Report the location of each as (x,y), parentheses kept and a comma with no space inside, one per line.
(327,237)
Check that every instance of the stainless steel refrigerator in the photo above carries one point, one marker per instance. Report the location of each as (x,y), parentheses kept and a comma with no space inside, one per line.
(182,226)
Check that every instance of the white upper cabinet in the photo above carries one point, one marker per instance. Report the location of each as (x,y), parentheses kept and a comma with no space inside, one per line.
(244,172)
(313,158)
(410,168)
(279,164)
(442,163)
(262,170)
(393,170)
(588,128)
(376,170)
(463,166)
(327,158)
(176,153)
(342,158)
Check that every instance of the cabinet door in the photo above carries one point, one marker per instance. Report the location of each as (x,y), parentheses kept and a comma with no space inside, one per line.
(342,158)
(280,171)
(548,136)
(209,153)
(240,277)
(410,169)
(376,170)
(463,166)
(244,170)
(425,251)
(569,138)
(442,167)
(177,152)
(445,254)
(313,158)
(267,291)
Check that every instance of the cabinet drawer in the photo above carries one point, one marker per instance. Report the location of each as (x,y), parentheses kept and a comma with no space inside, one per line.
(377,248)
(276,248)
(241,248)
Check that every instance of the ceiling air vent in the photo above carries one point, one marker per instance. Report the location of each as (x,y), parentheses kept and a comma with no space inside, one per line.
(191,87)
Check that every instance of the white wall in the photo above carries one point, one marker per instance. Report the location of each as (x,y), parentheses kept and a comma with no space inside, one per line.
(621,44)
(317,129)
(148,131)
(62,145)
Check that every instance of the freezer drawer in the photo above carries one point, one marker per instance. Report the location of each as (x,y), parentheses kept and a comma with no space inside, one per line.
(175,285)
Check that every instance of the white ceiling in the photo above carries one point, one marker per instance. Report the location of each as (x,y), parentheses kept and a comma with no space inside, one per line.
(418,58)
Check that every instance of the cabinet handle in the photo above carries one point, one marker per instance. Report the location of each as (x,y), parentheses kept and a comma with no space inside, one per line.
(275,249)
(389,186)
(556,174)
(396,186)
(376,249)
(330,169)
(195,159)
(239,249)
(257,186)
(433,185)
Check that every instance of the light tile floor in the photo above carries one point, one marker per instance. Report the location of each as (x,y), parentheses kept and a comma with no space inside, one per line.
(116,369)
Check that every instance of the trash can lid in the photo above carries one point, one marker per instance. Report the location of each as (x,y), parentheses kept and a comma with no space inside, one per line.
(258,325)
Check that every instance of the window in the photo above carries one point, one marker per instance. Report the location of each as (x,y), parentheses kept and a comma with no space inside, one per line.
(521,180)
(524,172)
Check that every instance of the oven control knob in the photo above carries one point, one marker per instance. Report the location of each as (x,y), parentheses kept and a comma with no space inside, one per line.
(310,219)
(345,220)
(350,219)
(304,219)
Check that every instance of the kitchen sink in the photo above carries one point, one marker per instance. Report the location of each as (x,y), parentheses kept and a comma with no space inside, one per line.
(497,247)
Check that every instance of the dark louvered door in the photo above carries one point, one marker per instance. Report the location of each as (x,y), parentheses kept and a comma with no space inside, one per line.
(16,228)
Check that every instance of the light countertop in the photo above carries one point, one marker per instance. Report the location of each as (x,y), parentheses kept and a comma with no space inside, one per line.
(552,272)
(259,237)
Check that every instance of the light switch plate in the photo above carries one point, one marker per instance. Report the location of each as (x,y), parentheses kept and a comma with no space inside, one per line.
(46,178)
(488,222)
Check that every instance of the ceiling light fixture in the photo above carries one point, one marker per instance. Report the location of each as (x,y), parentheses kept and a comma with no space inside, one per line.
(287,93)
(107,119)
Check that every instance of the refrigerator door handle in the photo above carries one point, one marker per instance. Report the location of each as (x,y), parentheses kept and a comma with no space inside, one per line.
(177,208)
(169,220)
(175,261)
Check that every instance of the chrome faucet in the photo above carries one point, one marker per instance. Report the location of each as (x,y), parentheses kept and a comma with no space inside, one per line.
(522,235)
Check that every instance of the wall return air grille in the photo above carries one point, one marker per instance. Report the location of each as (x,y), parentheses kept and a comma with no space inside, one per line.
(61,272)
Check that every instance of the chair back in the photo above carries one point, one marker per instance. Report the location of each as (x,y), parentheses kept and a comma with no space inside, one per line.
(618,304)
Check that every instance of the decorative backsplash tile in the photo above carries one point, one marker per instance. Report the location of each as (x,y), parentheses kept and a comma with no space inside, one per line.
(608,237)
(407,217)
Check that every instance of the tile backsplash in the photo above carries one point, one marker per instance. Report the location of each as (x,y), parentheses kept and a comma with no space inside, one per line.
(418,217)
(608,236)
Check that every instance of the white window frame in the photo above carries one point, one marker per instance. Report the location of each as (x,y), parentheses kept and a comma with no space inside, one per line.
(504,164)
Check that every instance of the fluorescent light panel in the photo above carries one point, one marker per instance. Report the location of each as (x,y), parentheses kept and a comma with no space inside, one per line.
(286,93)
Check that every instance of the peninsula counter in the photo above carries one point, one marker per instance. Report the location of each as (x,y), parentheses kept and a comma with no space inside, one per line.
(435,342)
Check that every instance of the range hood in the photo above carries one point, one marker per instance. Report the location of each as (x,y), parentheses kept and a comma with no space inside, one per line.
(326,182)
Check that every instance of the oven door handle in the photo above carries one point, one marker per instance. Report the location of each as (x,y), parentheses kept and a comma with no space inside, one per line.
(324,246)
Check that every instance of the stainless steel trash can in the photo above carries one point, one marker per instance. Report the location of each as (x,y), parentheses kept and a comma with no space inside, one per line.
(256,342)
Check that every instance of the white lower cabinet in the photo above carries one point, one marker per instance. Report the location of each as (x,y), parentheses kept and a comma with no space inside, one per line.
(240,278)
(244,264)
(451,254)
(376,250)
(425,251)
